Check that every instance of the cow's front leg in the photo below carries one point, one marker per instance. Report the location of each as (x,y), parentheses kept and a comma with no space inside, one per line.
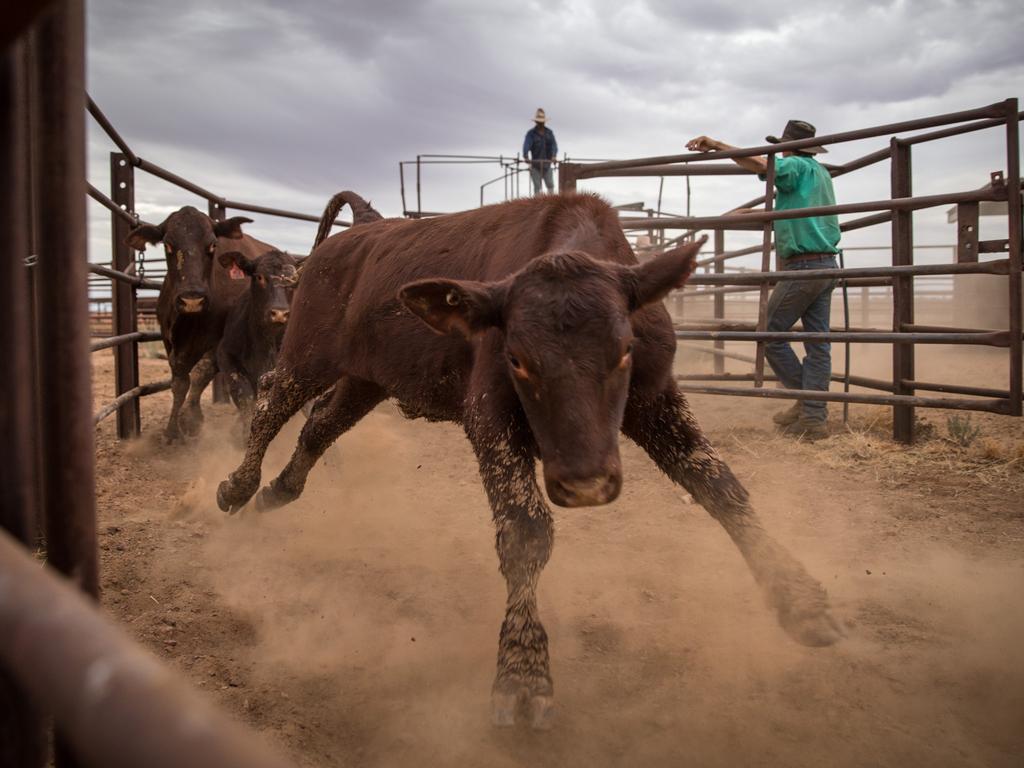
(524,537)
(665,427)
(179,388)
(191,417)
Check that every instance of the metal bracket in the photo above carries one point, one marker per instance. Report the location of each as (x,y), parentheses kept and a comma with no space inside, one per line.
(967,232)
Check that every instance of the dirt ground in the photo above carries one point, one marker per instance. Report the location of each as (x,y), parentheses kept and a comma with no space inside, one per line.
(359,625)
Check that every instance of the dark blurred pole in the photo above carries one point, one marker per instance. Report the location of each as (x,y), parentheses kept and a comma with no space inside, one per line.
(22,730)
(65,389)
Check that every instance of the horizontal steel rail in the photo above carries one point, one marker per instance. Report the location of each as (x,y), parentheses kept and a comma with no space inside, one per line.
(113,701)
(994,267)
(745,220)
(135,280)
(99,197)
(140,391)
(124,338)
(237,206)
(990,405)
(109,129)
(992,111)
(997,339)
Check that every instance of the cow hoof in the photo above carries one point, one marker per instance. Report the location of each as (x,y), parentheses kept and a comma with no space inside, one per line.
(816,630)
(190,421)
(270,498)
(542,713)
(229,499)
(503,709)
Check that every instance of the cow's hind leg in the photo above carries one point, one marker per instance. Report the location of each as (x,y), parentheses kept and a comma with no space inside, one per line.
(664,427)
(524,537)
(191,418)
(279,396)
(331,416)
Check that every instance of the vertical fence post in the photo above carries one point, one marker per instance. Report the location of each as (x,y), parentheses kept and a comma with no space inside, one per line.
(221,391)
(902,290)
(719,297)
(1013,201)
(22,731)
(65,391)
(766,265)
(568,174)
(126,319)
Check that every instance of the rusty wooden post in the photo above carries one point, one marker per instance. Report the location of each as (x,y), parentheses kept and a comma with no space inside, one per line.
(766,265)
(718,301)
(126,356)
(1013,201)
(902,291)
(22,729)
(221,391)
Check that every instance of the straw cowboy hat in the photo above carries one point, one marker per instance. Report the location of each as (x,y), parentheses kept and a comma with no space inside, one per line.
(797,129)
(540,117)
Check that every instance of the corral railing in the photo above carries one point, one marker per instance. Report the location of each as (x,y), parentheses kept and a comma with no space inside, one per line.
(896,210)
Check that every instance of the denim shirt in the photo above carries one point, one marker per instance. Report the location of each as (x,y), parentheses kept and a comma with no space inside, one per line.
(540,146)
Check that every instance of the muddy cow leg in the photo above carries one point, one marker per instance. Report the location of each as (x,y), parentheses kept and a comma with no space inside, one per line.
(179,388)
(665,427)
(524,538)
(275,404)
(350,400)
(191,417)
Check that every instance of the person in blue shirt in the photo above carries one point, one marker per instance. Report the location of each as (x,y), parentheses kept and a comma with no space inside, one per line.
(541,149)
(808,243)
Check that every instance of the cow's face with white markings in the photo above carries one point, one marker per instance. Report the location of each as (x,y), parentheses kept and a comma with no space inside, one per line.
(190,239)
(568,349)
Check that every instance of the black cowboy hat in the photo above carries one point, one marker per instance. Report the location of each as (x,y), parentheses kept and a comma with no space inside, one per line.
(797,129)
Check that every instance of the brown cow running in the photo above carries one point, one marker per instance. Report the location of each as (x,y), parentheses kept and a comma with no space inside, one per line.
(532,325)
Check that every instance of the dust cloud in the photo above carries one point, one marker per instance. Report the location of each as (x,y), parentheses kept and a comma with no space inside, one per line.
(371,609)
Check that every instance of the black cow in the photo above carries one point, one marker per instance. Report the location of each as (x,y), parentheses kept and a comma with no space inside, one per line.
(256,324)
(532,325)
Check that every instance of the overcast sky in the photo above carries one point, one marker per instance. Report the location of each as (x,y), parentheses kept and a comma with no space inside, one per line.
(284,102)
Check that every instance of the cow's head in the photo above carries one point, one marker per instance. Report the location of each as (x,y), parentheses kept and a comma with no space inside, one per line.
(274,276)
(568,349)
(190,239)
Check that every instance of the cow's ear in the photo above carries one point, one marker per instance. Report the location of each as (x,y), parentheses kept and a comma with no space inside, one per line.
(143,235)
(464,306)
(231,228)
(651,281)
(234,258)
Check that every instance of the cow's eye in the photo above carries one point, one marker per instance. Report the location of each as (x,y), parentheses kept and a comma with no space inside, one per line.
(261,280)
(211,247)
(518,369)
(168,248)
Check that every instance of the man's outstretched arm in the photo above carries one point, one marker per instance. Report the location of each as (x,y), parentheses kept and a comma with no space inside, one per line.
(707,144)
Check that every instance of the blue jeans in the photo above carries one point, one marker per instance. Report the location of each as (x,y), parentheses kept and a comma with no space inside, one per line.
(549,178)
(811,302)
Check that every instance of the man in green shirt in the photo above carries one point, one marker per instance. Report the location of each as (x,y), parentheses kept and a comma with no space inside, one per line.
(808,243)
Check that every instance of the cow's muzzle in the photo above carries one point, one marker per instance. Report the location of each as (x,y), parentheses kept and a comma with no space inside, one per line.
(279,316)
(191,303)
(585,492)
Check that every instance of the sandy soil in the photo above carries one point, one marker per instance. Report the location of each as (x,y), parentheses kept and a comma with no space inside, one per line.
(359,625)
